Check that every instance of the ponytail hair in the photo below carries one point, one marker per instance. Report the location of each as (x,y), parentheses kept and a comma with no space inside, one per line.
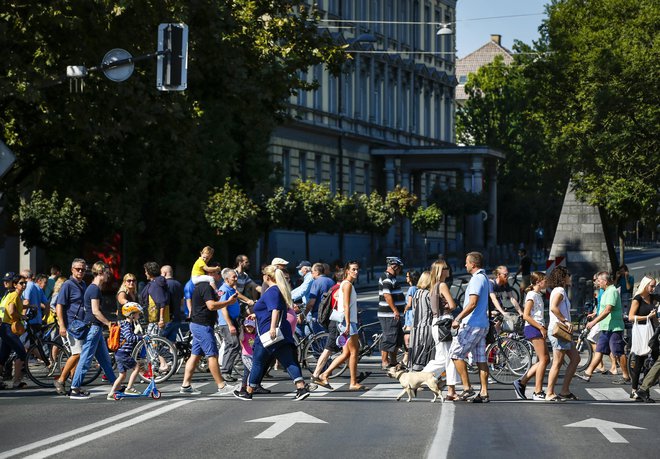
(274,273)
(535,278)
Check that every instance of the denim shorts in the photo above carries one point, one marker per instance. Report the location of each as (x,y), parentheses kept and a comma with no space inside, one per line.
(203,340)
(125,362)
(560,344)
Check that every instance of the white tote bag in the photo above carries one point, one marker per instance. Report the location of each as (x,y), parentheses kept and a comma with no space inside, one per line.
(641,334)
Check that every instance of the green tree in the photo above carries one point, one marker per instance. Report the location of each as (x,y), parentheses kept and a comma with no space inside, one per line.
(403,204)
(48,221)
(278,211)
(378,218)
(134,157)
(314,209)
(426,219)
(349,213)
(458,203)
(604,105)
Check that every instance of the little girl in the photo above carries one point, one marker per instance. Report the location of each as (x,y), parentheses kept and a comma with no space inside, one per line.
(200,269)
(246,337)
(127,341)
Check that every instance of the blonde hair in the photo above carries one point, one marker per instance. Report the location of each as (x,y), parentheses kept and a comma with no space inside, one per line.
(58,284)
(424,281)
(436,271)
(275,274)
(534,278)
(124,287)
(207,249)
(99,268)
(646,280)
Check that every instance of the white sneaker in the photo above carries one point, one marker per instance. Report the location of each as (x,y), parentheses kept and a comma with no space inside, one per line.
(189,391)
(539,397)
(227,389)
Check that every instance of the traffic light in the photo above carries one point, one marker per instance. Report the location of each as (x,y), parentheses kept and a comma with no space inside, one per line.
(171,72)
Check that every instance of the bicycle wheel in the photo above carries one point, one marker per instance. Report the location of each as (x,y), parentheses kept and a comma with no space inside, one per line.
(161,358)
(313,350)
(583,347)
(508,361)
(40,366)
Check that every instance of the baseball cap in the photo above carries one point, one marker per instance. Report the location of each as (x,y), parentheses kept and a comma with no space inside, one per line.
(9,276)
(279,261)
(249,323)
(304,263)
(394,261)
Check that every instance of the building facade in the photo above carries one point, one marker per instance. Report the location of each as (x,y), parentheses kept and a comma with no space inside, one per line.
(360,131)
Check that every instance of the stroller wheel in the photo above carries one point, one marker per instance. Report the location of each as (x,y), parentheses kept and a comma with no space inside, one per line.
(155,394)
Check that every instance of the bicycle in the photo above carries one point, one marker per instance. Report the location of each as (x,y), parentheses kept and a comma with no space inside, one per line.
(460,290)
(513,282)
(164,364)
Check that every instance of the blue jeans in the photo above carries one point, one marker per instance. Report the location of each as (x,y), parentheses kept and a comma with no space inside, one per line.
(10,342)
(93,346)
(170,330)
(282,351)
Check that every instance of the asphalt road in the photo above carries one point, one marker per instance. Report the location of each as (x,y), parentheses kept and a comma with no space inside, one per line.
(329,424)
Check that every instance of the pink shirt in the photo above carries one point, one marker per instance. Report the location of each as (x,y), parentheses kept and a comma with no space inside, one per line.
(247,343)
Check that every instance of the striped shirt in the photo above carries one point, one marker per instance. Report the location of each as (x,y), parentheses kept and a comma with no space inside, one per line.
(388,284)
(127,338)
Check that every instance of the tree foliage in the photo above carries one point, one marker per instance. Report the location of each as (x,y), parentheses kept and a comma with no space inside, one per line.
(137,160)
(427,219)
(49,221)
(229,210)
(379,217)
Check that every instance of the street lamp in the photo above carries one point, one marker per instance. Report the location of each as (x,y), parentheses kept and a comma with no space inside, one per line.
(444,29)
(363,38)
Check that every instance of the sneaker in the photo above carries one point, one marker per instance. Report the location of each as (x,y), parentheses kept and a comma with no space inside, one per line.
(110,396)
(302,394)
(643,396)
(242,395)
(189,391)
(538,397)
(621,381)
(226,389)
(229,378)
(633,394)
(59,387)
(311,387)
(261,390)
(519,387)
(583,376)
(78,394)
(132,391)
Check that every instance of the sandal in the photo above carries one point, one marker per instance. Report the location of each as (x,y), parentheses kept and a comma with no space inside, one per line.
(553,398)
(481,399)
(466,395)
(19,385)
(568,396)
(358,388)
(321,382)
(451,398)
(363,375)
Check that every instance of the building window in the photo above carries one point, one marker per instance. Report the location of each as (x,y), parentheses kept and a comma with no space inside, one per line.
(427,28)
(367,178)
(351,177)
(303,166)
(462,79)
(427,114)
(318,169)
(333,175)
(302,94)
(318,92)
(286,168)
(332,94)
(416,28)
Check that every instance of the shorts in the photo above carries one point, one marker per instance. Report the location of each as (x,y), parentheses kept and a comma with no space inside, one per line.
(333,333)
(392,334)
(75,344)
(408,318)
(532,332)
(611,342)
(469,339)
(204,342)
(560,344)
(125,362)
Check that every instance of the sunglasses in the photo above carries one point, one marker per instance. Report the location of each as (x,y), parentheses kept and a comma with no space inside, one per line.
(22,283)
(130,280)
(78,269)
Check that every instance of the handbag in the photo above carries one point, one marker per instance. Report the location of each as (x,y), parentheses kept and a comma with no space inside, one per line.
(562,332)
(337,316)
(77,328)
(641,334)
(266,340)
(511,322)
(444,329)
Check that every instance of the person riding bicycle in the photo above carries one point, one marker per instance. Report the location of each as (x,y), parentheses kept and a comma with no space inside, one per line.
(124,355)
(11,324)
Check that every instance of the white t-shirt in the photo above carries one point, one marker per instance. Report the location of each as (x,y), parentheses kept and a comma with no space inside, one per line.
(537,306)
(353,301)
(564,307)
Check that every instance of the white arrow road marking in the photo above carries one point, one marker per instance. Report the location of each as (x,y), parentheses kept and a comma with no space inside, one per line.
(607,428)
(284,421)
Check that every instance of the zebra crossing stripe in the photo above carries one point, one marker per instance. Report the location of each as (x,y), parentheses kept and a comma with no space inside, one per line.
(320,391)
(612,394)
(388,390)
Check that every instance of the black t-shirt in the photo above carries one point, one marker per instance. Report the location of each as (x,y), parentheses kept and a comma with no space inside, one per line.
(200,313)
(175,289)
(525,265)
(644,307)
(503,293)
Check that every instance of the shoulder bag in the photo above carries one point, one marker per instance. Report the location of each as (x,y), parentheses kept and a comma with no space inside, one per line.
(562,332)
(266,340)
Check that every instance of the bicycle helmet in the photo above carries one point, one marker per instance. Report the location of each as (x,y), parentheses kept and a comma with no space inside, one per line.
(130,307)
(394,261)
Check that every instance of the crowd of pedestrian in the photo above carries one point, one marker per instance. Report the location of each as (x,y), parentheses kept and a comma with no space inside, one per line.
(257,320)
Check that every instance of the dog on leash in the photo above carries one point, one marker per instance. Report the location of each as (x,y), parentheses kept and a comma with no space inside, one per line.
(413,380)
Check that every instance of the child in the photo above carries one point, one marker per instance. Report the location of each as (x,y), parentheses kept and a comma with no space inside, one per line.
(246,337)
(200,268)
(127,341)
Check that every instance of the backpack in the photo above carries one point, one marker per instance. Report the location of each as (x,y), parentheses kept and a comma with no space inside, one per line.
(113,337)
(326,305)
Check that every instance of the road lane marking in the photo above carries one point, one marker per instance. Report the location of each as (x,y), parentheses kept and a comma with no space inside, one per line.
(607,428)
(73,433)
(283,421)
(611,394)
(443,433)
(634,268)
(388,390)
(108,430)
